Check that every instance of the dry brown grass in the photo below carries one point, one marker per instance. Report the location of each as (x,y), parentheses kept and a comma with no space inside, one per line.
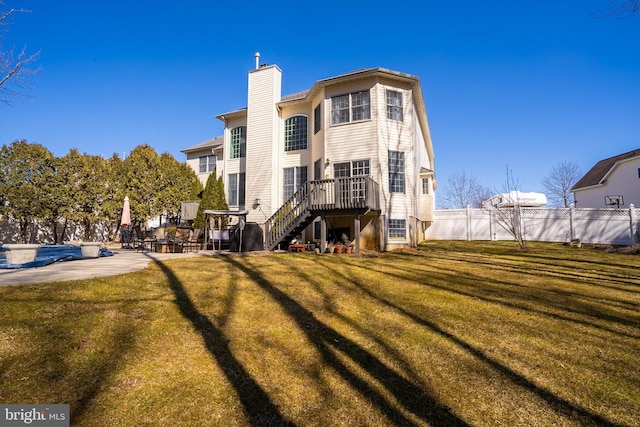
(455,333)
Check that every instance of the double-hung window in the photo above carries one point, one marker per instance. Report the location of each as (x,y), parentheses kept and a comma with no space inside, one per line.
(238,142)
(425,185)
(295,133)
(394,105)
(360,107)
(340,109)
(352,107)
(236,185)
(293,179)
(396,171)
(207,164)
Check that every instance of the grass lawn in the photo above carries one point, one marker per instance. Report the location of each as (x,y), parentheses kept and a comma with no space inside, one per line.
(455,333)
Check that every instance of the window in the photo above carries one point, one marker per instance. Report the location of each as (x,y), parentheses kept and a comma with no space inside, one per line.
(360,167)
(397,229)
(207,164)
(339,109)
(354,168)
(360,108)
(317,119)
(317,169)
(236,189)
(293,179)
(238,142)
(396,171)
(301,176)
(295,133)
(425,185)
(394,105)
(342,170)
(354,189)
(350,108)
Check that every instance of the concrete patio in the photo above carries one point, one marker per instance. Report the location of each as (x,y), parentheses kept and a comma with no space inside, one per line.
(122,261)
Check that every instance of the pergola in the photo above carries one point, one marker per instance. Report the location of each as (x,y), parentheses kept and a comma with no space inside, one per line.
(242,219)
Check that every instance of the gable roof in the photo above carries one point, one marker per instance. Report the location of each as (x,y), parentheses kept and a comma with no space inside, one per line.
(598,173)
(214,143)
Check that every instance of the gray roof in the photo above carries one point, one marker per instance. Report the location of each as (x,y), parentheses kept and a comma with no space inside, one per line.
(599,172)
(295,96)
(216,142)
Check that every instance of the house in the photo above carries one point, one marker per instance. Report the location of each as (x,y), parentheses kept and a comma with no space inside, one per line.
(349,158)
(612,182)
(203,158)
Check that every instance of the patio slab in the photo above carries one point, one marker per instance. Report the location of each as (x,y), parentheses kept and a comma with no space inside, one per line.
(122,261)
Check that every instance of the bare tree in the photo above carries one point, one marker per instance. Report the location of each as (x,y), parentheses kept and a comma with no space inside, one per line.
(559,182)
(15,67)
(509,214)
(463,190)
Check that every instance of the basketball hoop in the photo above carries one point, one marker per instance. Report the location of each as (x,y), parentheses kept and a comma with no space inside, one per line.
(614,200)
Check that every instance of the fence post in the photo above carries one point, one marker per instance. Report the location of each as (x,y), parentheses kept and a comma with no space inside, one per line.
(492,234)
(469,222)
(572,234)
(632,223)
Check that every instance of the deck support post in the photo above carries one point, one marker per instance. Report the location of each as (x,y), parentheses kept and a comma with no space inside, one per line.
(356,226)
(323,233)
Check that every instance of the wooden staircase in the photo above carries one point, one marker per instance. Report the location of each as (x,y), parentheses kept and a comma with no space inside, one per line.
(314,198)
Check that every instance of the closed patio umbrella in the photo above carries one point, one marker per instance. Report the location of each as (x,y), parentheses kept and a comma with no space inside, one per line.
(125,222)
(126,213)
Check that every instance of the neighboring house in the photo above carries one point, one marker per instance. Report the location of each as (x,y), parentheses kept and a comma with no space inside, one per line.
(612,182)
(351,156)
(204,157)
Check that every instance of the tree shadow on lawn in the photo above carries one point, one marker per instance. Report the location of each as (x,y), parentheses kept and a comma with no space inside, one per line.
(327,341)
(55,376)
(591,273)
(558,403)
(256,402)
(519,296)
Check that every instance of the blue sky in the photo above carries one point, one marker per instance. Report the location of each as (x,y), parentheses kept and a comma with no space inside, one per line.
(521,84)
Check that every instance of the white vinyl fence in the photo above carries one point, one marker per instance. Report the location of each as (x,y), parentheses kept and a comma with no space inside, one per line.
(598,226)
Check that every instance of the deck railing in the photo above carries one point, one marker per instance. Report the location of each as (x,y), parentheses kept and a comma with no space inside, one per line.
(318,196)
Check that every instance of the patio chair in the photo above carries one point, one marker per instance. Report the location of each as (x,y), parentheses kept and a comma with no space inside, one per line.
(142,240)
(126,239)
(192,242)
(169,243)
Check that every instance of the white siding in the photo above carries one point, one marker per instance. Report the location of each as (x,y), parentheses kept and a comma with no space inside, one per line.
(289,159)
(193,161)
(397,136)
(231,166)
(353,140)
(623,180)
(263,129)
(317,140)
